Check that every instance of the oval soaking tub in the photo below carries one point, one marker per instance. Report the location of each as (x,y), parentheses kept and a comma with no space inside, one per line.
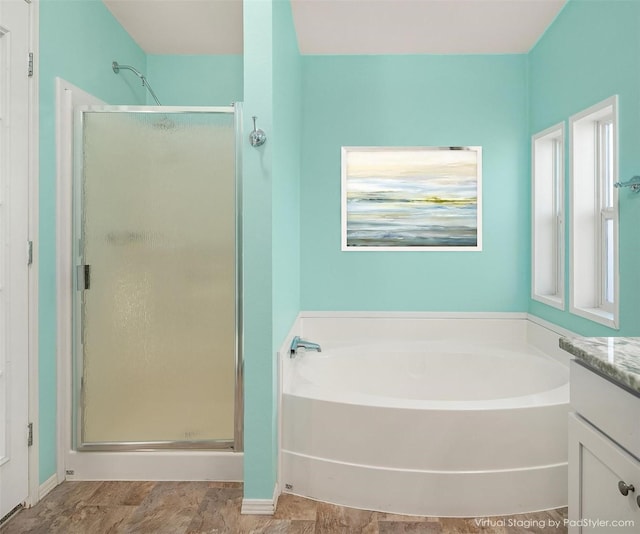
(441,428)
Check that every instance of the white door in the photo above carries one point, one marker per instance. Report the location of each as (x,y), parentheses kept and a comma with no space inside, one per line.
(14,154)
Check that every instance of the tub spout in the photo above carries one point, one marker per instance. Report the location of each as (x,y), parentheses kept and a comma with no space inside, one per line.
(298,343)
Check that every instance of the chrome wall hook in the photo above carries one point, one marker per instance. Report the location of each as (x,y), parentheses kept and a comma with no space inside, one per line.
(257,137)
(633,183)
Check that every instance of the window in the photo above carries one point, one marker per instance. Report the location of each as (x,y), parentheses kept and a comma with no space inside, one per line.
(594,213)
(548,216)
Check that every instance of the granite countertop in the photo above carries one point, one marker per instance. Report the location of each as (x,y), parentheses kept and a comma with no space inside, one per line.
(616,357)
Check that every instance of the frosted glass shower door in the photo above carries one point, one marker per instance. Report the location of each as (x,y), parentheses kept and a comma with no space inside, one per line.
(156,308)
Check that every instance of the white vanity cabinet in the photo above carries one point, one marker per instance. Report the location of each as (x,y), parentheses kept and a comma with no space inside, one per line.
(604,452)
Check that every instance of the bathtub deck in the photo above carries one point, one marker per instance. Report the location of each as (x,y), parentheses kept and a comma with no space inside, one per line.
(214,507)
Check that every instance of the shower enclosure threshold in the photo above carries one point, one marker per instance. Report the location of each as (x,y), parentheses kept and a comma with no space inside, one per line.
(132,446)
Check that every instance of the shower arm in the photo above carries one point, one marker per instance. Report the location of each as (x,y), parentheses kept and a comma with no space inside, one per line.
(116,68)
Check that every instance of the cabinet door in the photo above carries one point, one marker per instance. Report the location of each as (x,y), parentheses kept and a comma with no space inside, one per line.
(596,467)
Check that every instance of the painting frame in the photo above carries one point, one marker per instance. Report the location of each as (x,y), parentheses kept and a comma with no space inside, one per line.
(417,198)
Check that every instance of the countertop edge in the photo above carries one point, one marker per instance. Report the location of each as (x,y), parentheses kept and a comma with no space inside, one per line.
(591,351)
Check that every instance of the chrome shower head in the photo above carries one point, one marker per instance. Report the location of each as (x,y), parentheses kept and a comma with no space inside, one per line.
(116,68)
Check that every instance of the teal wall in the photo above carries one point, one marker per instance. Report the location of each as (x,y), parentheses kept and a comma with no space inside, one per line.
(195,80)
(271,227)
(416,101)
(312,106)
(591,52)
(287,126)
(78,42)
(287,116)
(260,456)
(272,92)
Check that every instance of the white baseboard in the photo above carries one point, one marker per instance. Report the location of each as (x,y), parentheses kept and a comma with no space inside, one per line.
(154,465)
(47,486)
(551,326)
(261,506)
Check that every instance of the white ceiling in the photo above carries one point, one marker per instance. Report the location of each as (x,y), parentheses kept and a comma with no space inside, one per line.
(421,26)
(182,26)
(345,26)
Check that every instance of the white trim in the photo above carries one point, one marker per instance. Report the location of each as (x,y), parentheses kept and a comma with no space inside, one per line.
(597,110)
(261,506)
(67,96)
(554,302)
(47,486)
(414,315)
(597,315)
(550,326)
(578,265)
(551,131)
(550,134)
(297,328)
(34,175)
(155,465)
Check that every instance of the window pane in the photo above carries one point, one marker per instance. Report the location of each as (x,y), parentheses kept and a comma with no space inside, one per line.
(557,176)
(557,211)
(593,272)
(558,257)
(607,147)
(609,274)
(547,216)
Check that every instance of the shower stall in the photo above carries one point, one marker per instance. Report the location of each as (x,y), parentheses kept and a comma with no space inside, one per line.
(157,355)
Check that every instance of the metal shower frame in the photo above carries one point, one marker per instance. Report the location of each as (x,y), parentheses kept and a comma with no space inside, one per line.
(237,444)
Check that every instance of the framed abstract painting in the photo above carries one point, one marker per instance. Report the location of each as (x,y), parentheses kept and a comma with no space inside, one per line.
(412,198)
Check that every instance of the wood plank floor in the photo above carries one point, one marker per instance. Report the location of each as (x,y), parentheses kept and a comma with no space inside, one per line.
(214,508)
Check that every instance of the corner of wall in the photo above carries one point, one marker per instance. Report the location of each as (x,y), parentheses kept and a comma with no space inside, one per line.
(261,506)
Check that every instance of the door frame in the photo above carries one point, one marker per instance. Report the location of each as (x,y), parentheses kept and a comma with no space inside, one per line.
(122,465)
(235,443)
(28,225)
(36,490)
(67,96)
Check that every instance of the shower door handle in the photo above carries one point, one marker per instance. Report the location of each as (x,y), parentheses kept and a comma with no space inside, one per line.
(83,277)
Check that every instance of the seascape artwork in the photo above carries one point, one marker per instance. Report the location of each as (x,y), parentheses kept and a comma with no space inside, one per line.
(423,198)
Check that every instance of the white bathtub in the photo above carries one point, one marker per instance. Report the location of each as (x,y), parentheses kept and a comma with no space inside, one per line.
(429,423)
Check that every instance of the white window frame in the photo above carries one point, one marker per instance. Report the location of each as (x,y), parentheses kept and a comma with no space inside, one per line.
(547,216)
(594,202)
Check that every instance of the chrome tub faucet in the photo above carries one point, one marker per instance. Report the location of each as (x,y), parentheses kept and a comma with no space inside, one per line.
(298,343)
